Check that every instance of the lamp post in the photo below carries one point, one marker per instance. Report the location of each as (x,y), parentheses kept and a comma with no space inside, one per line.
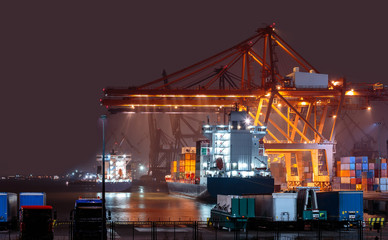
(103,236)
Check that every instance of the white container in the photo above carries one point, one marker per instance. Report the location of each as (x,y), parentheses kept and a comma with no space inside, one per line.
(345,179)
(383,188)
(310,80)
(284,207)
(345,166)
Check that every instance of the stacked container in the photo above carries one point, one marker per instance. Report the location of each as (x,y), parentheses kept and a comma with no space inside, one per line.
(359,173)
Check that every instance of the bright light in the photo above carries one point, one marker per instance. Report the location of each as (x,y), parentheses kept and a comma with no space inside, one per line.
(369,108)
(247,121)
(334,116)
(279,105)
(141,167)
(350,92)
(204,164)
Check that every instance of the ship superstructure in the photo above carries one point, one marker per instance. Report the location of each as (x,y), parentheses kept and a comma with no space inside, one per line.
(235,150)
(115,167)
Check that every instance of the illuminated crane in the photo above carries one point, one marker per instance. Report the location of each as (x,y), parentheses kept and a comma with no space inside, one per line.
(259,75)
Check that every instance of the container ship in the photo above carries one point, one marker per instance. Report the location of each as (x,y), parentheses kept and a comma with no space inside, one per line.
(231,161)
(117,177)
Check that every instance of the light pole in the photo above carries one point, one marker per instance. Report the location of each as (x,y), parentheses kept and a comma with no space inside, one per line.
(103,237)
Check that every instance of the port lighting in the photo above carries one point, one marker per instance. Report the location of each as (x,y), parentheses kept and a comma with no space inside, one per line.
(247,121)
(350,92)
(279,105)
(334,116)
(369,108)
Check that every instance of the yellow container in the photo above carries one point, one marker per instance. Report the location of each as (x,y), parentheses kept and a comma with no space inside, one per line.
(174,166)
(358,187)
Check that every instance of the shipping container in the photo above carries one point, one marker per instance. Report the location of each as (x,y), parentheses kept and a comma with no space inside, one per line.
(362,159)
(345,166)
(352,166)
(342,205)
(32,198)
(345,179)
(384,181)
(358,166)
(345,160)
(358,174)
(371,166)
(8,207)
(277,207)
(284,207)
(365,166)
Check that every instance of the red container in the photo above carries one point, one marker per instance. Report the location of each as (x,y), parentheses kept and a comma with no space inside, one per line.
(370,187)
(352,181)
(377,173)
(352,173)
(383,173)
(370,181)
(358,180)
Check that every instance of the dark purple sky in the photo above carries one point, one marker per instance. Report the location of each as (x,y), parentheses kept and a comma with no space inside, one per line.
(57,56)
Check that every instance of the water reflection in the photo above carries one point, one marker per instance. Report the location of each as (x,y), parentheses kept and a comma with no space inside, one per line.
(153,206)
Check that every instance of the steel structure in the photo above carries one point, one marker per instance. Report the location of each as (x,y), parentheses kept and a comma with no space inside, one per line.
(254,76)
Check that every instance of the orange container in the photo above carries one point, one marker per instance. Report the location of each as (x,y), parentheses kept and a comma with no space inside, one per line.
(352,181)
(174,166)
(345,173)
(187,156)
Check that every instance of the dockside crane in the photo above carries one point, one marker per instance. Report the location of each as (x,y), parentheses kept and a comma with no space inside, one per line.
(261,75)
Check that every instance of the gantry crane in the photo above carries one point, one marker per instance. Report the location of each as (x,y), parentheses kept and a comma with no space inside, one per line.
(256,75)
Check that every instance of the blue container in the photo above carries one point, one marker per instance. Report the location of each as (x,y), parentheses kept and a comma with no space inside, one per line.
(370,174)
(384,166)
(358,174)
(32,199)
(364,159)
(365,166)
(352,160)
(8,207)
(346,206)
(352,166)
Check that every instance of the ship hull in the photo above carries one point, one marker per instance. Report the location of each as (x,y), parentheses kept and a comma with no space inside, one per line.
(97,186)
(223,186)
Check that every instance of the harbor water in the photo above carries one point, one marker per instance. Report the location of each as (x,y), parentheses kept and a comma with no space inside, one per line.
(142,203)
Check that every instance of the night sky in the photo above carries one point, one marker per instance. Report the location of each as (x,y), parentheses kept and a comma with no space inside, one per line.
(56,56)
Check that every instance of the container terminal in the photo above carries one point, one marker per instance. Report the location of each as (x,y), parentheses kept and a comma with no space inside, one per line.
(299,108)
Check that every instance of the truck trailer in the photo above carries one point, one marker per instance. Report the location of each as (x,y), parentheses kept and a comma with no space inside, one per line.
(36,222)
(342,206)
(8,210)
(32,198)
(88,220)
(232,212)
